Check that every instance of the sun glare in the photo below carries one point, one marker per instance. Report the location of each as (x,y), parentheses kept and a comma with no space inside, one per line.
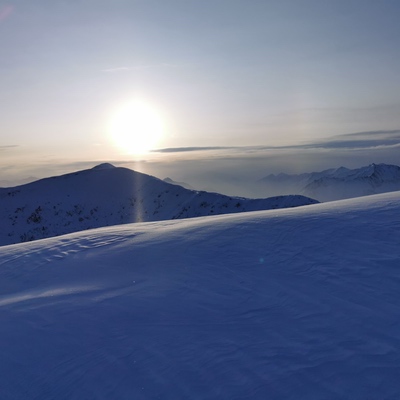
(136,127)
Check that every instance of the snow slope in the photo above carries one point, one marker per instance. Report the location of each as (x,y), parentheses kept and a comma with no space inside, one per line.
(300,303)
(106,195)
(337,183)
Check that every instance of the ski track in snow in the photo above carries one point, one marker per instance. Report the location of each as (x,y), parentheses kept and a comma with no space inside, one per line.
(284,304)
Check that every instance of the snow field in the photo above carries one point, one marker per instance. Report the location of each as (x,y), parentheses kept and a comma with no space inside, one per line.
(297,303)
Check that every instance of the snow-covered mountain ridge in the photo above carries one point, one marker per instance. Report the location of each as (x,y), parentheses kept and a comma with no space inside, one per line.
(107,195)
(300,303)
(339,183)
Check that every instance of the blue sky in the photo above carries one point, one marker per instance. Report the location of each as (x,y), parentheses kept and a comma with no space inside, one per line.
(220,72)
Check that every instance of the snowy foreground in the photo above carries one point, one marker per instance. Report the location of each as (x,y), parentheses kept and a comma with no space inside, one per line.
(298,303)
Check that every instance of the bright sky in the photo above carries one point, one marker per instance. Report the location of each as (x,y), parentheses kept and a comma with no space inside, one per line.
(211,72)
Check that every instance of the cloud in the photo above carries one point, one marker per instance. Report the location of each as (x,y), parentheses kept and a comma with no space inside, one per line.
(189,149)
(11,146)
(117,69)
(6,11)
(373,133)
(361,140)
(139,67)
(356,144)
(358,140)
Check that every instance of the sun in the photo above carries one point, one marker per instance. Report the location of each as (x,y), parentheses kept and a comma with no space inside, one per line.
(136,127)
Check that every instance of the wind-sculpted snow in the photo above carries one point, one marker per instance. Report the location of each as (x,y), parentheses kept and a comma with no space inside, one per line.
(300,303)
(105,196)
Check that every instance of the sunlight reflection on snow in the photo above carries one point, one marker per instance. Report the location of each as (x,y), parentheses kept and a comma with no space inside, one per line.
(14,299)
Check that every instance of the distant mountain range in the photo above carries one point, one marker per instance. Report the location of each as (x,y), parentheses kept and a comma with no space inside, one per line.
(183,184)
(107,195)
(8,183)
(337,183)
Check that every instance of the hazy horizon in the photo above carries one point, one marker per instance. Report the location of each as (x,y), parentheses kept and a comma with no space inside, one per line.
(223,89)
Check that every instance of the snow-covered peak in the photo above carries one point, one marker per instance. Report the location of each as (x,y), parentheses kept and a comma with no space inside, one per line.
(104,166)
(381,172)
(339,172)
